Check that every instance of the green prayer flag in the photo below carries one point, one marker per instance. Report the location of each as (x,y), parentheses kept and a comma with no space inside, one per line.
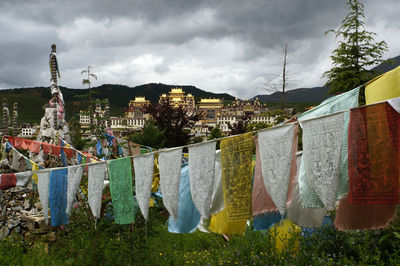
(120,175)
(338,103)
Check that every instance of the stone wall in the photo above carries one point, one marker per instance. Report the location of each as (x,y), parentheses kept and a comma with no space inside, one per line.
(19,212)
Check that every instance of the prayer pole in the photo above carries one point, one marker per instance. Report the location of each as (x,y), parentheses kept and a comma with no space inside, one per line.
(15,120)
(53,125)
(6,114)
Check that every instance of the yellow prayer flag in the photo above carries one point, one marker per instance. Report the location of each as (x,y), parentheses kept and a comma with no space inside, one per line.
(282,233)
(383,87)
(156,175)
(236,164)
(35,167)
(219,224)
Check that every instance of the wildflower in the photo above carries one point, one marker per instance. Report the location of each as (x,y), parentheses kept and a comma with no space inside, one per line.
(160,254)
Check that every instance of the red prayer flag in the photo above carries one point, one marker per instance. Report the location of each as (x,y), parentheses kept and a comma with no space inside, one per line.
(363,216)
(26,143)
(69,152)
(55,150)
(374,155)
(18,143)
(35,146)
(46,148)
(11,140)
(7,181)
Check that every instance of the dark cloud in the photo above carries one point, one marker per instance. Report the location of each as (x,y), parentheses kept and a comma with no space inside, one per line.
(223,46)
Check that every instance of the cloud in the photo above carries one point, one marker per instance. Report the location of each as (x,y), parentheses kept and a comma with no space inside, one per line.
(220,46)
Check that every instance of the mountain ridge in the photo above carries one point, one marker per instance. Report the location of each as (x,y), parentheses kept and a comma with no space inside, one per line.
(318,94)
(32,99)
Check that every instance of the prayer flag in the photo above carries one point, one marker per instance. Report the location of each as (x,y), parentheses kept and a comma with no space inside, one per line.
(277,152)
(362,216)
(383,87)
(217,203)
(338,103)
(23,178)
(144,168)
(97,173)
(74,179)
(170,162)
(7,181)
(374,155)
(261,201)
(188,215)
(120,175)
(35,146)
(58,196)
(236,163)
(201,174)
(43,188)
(304,217)
(322,142)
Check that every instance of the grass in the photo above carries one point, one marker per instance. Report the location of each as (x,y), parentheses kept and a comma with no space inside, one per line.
(150,243)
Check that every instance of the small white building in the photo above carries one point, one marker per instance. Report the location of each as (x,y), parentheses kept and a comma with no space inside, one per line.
(27,132)
(224,120)
(264,119)
(125,123)
(84,119)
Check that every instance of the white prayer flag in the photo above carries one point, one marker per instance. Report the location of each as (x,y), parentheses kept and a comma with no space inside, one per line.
(97,173)
(144,168)
(322,145)
(74,179)
(395,103)
(23,178)
(43,188)
(217,204)
(170,171)
(276,152)
(15,160)
(201,174)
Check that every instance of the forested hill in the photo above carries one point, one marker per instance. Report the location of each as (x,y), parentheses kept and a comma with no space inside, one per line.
(31,100)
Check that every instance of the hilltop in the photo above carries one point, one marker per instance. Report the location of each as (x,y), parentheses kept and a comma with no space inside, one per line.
(31,100)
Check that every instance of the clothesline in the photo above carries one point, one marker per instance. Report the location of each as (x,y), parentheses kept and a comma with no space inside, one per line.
(78,151)
(322,140)
(208,141)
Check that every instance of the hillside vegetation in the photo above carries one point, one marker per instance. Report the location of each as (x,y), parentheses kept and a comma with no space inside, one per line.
(31,100)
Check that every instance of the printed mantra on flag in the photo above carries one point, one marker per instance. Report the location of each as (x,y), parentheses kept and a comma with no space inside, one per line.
(236,156)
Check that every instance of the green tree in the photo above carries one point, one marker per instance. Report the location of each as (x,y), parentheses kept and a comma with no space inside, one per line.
(175,122)
(257,126)
(357,51)
(215,133)
(150,136)
(76,134)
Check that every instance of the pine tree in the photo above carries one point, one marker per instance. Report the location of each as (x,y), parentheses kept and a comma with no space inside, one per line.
(356,53)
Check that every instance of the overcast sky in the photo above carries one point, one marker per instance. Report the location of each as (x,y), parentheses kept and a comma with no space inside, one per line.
(232,46)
